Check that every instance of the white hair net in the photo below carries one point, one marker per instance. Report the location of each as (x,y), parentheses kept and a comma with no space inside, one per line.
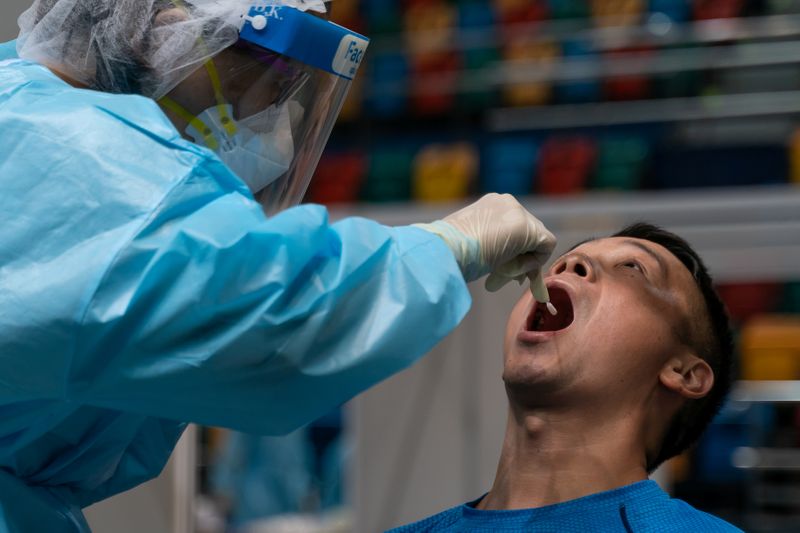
(133,46)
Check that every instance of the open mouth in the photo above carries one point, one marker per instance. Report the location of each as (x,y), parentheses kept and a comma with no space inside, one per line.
(541,320)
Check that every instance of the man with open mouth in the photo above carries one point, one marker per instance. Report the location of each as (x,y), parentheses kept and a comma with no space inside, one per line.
(626,375)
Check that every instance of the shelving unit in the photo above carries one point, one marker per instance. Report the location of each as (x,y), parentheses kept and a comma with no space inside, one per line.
(781,103)
(576,83)
(766,392)
(768,463)
(743,234)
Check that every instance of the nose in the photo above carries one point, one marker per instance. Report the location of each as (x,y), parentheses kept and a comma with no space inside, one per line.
(577,264)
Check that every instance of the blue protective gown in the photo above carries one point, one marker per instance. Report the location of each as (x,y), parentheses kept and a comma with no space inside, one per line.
(141,287)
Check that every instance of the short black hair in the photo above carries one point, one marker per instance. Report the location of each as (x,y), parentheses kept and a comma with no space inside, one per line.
(715,346)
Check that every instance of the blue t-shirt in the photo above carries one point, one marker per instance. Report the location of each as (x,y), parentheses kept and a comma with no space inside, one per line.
(641,507)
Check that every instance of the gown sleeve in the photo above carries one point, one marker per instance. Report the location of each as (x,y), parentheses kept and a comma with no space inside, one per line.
(217,315)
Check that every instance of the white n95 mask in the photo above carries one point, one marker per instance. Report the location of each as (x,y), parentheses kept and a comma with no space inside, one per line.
(259,148)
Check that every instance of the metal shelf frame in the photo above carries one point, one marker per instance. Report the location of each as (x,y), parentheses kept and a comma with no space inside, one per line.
(655,29)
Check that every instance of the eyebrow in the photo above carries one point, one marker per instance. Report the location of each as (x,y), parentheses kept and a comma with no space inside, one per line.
(661,264)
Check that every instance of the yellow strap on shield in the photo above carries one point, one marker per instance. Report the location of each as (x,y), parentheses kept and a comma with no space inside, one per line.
(227,122)
(198,124)
(222,107)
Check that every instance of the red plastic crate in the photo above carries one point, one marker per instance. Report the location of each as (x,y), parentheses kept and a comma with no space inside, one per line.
(746,300)
(565,165)
(338,178)
(630,87)
(434,81)
(717,9)
(511,12)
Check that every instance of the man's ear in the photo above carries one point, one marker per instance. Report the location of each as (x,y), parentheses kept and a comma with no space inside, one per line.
(687,375)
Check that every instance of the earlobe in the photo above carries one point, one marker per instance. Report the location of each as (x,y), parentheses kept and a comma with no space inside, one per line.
(691,377)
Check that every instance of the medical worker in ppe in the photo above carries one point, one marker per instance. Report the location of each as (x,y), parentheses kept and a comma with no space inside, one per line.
(149,273)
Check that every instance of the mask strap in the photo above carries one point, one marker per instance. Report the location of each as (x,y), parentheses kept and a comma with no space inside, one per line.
(199,125)
(222,106)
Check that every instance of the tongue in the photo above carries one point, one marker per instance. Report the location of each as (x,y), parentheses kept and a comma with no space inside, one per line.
(554,323)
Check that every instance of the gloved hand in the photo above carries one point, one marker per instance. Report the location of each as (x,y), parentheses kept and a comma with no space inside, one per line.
(497,235)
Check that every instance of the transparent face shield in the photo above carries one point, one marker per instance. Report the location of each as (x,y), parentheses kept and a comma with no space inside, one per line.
(267,114)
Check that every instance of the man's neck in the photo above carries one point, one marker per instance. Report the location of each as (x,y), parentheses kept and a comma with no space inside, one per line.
(552,456)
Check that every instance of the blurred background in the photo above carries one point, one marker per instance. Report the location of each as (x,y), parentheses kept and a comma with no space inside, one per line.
(595,113)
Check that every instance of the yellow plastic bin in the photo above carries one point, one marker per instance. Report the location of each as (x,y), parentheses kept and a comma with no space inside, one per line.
(770,348)
(445,172)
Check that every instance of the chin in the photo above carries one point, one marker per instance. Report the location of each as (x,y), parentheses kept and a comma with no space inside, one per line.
(529,383)
(532,395)
(531,376)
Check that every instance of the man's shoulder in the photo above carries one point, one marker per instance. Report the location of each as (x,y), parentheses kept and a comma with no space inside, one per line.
(704,521)
(673,515)
(438,522)
(642,507)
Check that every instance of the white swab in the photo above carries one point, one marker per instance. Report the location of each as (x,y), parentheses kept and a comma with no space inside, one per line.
(552,309)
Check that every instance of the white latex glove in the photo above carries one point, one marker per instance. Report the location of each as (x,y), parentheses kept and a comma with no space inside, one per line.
(497,236)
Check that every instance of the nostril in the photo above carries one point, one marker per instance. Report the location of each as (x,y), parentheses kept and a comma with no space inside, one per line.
(561,268)
(580,270)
